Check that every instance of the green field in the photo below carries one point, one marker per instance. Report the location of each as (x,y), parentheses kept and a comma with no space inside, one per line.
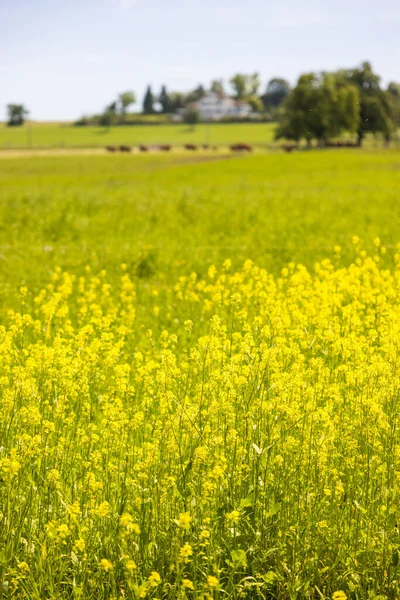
(69,211)
(199,394)
(56,135)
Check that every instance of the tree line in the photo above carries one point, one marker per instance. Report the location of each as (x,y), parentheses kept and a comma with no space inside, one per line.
(324,105)
(321,106)
(243,87)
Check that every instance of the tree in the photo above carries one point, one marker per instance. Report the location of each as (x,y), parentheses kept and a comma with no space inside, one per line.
(16,114)
(196,95)
(148,102)
(374,107)
(245,85)
(125,100)
(255,103)
(191,117)
(109,116)
(217,86)
(177,100)
(277,90)
(164,100)
(319,107)
(393,91)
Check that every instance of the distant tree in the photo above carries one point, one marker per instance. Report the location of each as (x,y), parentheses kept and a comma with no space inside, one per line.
(16,114)
(148,102)
(108,118)
(196,95)
(245,85)
(277,90)
(125,100)
(177,100)
(217,86)
(255,103)
(112,108)
(110,115)
(191,117)
(393,91)
(164,100)
(319,107)
(375,106)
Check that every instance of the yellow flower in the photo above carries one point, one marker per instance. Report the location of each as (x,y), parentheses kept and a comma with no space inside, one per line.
(126,521)
(188,325)
(154,579)
(184,520)
(102,510)
(340,595)
(233,517)
(23,567)
(186,551)
(80,544)
(188,584)
(63,531)
(205,534)
(106,565)
(130,565)
(212,581)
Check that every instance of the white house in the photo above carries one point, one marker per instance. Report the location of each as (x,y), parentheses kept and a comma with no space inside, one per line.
(214,107)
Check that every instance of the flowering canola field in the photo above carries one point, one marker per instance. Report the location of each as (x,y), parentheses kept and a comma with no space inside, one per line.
(228,434)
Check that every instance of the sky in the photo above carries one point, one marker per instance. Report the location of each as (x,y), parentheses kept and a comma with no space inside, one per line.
(65,59)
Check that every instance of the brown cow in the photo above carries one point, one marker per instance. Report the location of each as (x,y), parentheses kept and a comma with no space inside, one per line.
(190,147)
(111,148)
(143,148)
(241,147)
(125,148)
(165,147)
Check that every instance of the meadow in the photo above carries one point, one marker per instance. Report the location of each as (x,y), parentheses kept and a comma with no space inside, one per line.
(65,135)
(200,376)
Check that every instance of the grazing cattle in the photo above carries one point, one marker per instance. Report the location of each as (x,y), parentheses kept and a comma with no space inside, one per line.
(206,146)
(125,148)
(143,148)
(111,148)
(289,147)
(165,147)
(241,147)
(190,147)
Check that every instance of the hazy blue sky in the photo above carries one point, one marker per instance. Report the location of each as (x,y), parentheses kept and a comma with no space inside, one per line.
(64,59)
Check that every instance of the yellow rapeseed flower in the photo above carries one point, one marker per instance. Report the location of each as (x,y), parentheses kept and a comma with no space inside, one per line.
(212,581)
(106,565)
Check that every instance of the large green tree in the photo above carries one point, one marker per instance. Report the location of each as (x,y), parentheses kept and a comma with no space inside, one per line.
(319,107)
(374,107)
(16,114)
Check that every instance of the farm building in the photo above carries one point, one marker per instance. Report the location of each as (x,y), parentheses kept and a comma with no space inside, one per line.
(214,107)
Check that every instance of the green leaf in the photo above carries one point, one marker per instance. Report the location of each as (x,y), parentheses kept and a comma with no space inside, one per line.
(239,558)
